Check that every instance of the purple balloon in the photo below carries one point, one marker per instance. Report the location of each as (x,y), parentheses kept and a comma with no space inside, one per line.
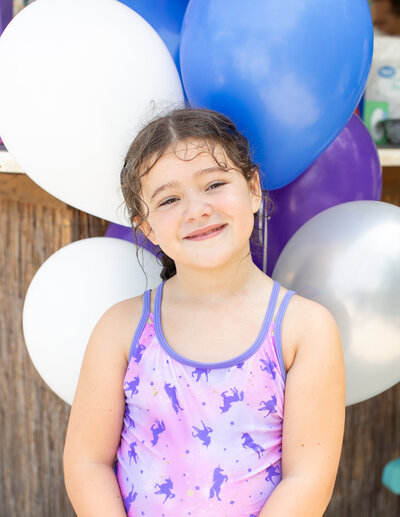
(348,170)
(6,12)
(119,232)
(126,234)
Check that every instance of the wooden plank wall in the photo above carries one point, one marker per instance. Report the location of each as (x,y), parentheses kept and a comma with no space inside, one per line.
(33,420)
(33,225)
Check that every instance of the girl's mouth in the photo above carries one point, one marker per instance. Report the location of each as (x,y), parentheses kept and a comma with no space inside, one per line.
(211,233)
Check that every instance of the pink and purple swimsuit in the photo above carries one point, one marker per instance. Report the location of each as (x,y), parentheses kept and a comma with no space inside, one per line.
(201,438)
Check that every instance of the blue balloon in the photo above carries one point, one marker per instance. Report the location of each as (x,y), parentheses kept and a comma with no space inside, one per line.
(165,16)
(289,74)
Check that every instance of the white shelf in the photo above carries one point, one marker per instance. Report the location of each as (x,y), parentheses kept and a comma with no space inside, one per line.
(388,158)
(8,164)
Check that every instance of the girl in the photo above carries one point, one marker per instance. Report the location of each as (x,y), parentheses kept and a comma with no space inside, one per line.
(221,392)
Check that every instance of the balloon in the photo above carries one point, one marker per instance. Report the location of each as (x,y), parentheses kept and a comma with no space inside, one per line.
(6,9)
(391,476)
(118,231)
(6,12)
(289,74)
(348,170)
(347,258)
(165,16)
(67,296)
(82,76)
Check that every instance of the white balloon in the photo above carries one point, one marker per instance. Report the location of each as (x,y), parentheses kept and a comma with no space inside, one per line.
(68,295)
(347,258)
(79,78)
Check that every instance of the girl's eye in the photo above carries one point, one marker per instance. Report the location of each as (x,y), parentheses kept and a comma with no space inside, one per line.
(170,200)
(166,202)
(217,184)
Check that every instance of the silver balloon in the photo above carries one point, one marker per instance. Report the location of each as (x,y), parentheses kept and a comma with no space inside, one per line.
(348,259)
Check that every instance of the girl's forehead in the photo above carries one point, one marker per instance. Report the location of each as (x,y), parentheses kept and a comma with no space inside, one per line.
(186,154)
(188,150)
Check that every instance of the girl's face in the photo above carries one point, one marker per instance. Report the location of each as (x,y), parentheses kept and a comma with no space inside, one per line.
(186,191)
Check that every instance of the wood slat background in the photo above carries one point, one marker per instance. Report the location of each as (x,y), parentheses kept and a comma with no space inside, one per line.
(33,420)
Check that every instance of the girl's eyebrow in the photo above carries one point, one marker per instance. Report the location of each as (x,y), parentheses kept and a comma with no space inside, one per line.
(176,183)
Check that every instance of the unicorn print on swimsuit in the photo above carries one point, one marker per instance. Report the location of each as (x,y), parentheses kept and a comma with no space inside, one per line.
(251,444)
(199,372)
(171,392)
(132,385)
(165,488)
(203,434)
(138,352)
(218,479)
(157,428)
(272,472)
(269,367)
(132,452)
(229,399)
(269,406)
(128,500)
(127,417)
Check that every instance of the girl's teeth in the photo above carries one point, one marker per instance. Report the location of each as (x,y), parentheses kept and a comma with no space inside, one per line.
(211,231)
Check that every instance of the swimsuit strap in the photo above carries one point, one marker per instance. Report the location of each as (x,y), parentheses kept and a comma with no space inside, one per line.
(273,299)
(157,301)
(282,308)
(142,322)
(278,329)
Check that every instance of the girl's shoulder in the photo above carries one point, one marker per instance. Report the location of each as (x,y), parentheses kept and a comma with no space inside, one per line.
(304,318)
(303,310)
(121,321)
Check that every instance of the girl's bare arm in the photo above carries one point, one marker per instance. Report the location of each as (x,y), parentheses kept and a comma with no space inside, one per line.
(314,416)
(96,417)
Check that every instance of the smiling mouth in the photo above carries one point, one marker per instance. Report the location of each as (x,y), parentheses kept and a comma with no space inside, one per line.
(214,230)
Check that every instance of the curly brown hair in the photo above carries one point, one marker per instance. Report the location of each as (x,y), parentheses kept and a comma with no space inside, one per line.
(205,126)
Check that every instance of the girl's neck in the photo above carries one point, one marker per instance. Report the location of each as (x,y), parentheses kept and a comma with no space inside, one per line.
(215,285)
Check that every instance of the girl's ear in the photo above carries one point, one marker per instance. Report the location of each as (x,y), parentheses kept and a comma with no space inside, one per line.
(255,192)
(146,229)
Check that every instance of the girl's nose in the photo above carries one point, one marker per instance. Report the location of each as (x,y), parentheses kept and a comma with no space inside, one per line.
(197,205)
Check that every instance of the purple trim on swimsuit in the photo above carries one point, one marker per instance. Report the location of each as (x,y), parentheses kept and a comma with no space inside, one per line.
(278,330)
(222,364)
(142,323)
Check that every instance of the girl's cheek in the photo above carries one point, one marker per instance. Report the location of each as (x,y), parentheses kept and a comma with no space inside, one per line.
(165,219)
(232,201)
